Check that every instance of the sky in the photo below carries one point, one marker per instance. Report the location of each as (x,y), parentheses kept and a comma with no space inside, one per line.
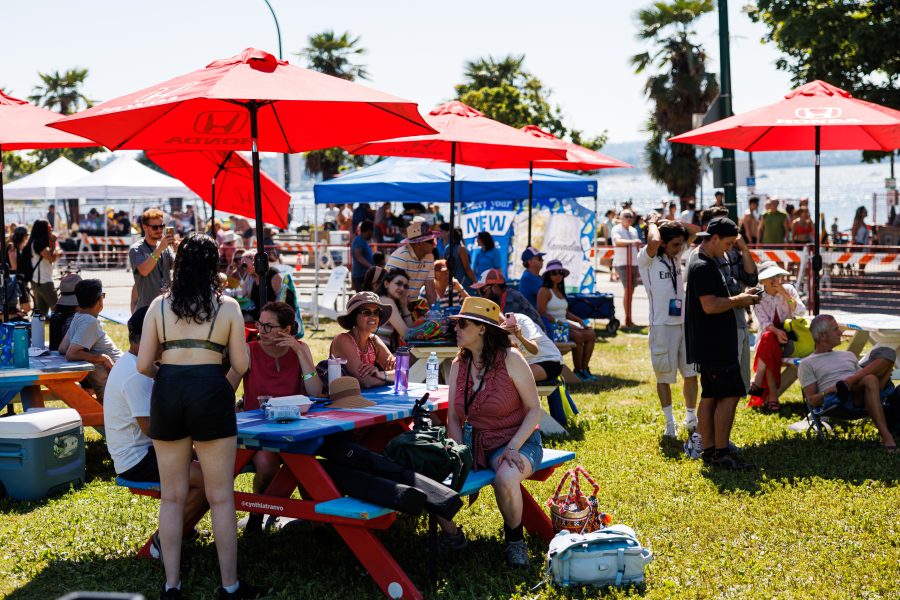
(416,50)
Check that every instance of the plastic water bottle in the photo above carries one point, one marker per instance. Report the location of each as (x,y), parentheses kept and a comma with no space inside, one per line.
(432,372)
(401,370)
(37,330)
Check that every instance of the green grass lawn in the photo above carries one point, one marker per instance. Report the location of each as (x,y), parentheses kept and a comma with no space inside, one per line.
(816,520)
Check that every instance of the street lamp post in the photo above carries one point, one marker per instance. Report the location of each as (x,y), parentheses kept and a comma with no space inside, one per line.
(729,177)
(287,157)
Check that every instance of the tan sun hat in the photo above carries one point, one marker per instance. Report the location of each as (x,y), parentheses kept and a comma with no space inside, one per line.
(344,392)
(480,309)
(358,301)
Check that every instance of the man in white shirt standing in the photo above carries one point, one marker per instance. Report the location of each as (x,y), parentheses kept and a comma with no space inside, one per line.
(660,267)
(126,417)
(627,241)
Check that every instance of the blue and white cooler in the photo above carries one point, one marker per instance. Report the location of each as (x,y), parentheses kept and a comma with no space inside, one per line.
(41,452)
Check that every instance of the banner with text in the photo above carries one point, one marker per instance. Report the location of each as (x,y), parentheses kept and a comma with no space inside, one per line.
(494,216)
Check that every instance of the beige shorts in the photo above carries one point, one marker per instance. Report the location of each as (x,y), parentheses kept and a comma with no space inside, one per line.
(668,353)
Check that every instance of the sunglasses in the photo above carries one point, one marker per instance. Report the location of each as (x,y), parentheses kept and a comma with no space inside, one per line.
(484,290)
(462,323)
(369,312)
(266,327)
(155,227)
(555,273)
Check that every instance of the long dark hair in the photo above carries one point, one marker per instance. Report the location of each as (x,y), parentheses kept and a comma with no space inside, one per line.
(196,287)
(548,283)
(495,340)
(19,234)
(487,240)
(391,275)
(40,236)
(373,279)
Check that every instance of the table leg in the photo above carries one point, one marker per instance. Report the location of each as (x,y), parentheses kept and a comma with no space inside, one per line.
(33,397)
(367,548)
(858,342)
(74,396)
(534,518)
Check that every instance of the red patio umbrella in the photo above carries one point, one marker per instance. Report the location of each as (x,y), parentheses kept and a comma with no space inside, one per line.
(23,127)
(224,178)
(464,135)
(815,116)
(578,158)
(251,101)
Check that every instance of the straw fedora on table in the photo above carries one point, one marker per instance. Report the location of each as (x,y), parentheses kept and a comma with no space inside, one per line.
(419,231)
(344,392)
(481,310)
(358,301)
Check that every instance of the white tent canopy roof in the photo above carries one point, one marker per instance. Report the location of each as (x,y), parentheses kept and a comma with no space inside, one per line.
(44,184)
(125,178)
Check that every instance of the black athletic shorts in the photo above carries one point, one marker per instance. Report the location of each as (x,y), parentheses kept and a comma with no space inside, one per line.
(722,382)
(551,368)
(192,401)
(146,471)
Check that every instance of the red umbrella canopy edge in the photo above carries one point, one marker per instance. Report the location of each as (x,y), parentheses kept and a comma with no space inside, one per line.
(844,122)
(298,110)
(23,127)
(478,141)
(577,157)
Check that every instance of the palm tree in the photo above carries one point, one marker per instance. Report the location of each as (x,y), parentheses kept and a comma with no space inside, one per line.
(681,88)
(62,92)
(491,72)
(331,54)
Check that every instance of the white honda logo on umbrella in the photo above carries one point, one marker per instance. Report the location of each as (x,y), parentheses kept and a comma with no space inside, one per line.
(826,112)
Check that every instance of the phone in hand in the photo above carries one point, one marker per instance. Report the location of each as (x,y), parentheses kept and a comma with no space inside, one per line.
(758,291)
(169,231)
(510,320)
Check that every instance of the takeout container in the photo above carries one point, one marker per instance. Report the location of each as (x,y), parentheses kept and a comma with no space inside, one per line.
(287,407)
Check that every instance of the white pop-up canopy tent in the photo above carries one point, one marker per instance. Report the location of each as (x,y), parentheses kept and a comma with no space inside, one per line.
(44,184)
(125,178)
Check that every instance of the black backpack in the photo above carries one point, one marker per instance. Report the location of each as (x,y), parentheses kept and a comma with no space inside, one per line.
(24,269)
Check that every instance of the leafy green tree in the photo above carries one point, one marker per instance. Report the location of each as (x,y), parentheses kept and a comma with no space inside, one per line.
(333,55)
(679,87)
(853,45)
(63,93)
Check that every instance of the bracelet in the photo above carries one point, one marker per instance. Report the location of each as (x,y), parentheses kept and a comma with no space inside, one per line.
(154,257)
(309,375)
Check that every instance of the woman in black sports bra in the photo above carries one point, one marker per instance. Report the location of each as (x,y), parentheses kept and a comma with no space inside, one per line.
(192,404)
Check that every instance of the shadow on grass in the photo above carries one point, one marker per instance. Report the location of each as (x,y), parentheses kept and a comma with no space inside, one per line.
(853,460)
(577,429)
(606,383)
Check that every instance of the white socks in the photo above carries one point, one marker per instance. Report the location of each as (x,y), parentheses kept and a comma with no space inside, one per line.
(690,414)
(670,418)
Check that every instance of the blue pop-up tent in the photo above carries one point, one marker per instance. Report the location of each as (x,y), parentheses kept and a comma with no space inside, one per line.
(422,180)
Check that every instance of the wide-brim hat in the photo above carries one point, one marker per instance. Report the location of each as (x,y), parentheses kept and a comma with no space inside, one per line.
(358,301)
(229,236)
(768,269)
(481,310)
(419,231)
(344,392)
(67,290)
(556,265)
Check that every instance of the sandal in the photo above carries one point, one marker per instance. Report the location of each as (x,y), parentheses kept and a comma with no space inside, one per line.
(772,406)
(755,390)
(890,449)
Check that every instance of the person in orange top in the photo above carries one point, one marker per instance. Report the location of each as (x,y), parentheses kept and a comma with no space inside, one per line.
(494,409)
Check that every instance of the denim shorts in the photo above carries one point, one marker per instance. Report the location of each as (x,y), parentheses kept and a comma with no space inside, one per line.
(532,450)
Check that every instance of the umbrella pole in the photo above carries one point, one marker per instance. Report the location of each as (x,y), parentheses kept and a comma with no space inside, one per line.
(817,258)
(450,260)
(530,196)
(261,262)
(316,258)
(212,218)
(4,261)
(596,249)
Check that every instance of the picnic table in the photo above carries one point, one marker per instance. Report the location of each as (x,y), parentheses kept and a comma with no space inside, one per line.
(58,375)
(445,353)
(355,521)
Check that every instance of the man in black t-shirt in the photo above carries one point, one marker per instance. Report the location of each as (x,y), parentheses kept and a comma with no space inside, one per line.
(711,339)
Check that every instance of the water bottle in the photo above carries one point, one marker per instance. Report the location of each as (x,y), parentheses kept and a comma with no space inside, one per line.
(432,370)
(401,371)
(20,345)
(37,330)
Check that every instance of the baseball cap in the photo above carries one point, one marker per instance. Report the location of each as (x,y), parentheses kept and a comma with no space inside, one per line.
(530,252)
(489,277)
(720,226)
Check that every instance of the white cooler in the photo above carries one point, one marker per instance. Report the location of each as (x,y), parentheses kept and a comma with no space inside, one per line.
(41,452)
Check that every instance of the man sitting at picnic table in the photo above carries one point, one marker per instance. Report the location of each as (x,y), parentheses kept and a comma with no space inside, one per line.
(492,286)
(836,379)
(415,257)
(126,417)
(540,352)
(86,341)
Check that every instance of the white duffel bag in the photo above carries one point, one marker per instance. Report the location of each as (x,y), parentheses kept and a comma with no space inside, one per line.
(609,557)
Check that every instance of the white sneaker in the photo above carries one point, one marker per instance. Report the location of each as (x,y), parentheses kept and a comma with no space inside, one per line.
(694,446)
(690,424)
(671,431)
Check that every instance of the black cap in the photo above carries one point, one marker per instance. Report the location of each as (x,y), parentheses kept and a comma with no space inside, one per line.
(720,226)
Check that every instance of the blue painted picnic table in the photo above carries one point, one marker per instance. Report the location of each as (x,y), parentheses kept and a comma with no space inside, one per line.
(58,375)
